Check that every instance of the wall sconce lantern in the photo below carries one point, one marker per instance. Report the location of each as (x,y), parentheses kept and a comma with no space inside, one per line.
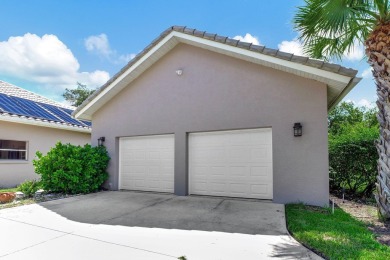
(297,129)
(101,140)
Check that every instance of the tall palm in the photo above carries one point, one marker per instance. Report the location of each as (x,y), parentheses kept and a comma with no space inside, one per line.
(330,28)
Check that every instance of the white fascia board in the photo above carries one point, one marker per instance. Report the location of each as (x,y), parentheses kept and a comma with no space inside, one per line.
(212,45)
(26,121)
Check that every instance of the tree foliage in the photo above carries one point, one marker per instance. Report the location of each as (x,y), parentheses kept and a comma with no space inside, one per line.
(329,28)
(353,156)
(77,96)
(347,114)
(353,160)
(72,169)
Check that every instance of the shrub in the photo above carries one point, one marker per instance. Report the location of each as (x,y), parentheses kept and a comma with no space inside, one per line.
(72,169)
(348,114)
(353,160)
(29,187)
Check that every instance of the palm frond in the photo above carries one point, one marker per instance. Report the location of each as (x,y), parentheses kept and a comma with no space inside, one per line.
(328,28)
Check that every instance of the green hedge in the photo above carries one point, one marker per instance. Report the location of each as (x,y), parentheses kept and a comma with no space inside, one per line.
(353,160)
(72,169)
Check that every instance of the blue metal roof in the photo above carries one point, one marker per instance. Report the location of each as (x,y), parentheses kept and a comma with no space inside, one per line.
(25,107)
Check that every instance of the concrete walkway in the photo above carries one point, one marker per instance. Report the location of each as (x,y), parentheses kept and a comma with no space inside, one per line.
(131,225)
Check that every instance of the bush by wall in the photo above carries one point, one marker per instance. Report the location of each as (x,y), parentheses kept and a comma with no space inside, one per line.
(353,160)
(72,169)
(29,187)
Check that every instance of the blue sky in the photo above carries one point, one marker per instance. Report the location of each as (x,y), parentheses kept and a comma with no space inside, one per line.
(47,46)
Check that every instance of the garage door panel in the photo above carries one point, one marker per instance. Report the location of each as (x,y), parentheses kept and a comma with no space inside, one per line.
(238,171)
(238,188)
(133,169)
(261,154)
(200,170)
(217,171)
(209,153)
(238,154)
(260,171)
(218,187)
(231,163)
(147,163)
(167,186)
(261,189)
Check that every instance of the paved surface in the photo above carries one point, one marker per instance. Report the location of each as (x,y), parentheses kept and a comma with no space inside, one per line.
(134,225)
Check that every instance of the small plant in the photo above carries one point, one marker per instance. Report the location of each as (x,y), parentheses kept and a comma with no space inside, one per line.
(72,169)
(182,258)
(29,187)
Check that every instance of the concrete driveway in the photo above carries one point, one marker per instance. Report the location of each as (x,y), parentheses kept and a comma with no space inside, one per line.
(135,225)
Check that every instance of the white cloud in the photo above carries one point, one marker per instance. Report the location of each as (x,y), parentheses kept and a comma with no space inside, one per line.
(294,47)
(363,103)
(45,61)
(248,38)
(356,53)
(367,73)
(126,57)
(99,44)
(96,78)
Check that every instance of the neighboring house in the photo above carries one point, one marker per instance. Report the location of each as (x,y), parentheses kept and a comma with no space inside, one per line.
(31,123)
(198,113)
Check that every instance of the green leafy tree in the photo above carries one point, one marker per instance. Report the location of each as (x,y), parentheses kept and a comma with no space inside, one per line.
(328,29)
(353,160)
(346,114)
(353,131)
(77,96)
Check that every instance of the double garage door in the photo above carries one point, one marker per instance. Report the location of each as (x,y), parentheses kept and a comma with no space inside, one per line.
(223,163)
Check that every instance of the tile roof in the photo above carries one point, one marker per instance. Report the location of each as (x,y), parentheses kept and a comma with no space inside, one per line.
(12,90)
(318,64)
(20,105)
(263,50)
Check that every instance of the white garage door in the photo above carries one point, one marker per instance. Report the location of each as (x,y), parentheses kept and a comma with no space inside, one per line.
(147,163)
(231,163)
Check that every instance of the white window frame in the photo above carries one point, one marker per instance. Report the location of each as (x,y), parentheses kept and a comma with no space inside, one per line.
(16,150)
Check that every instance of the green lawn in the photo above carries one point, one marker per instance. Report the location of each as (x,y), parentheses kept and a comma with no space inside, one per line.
(8,190)
(334,236)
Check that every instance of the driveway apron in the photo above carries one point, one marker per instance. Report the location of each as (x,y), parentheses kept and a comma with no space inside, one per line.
(136,225)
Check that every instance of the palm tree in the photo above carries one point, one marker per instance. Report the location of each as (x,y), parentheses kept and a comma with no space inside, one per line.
(330,28)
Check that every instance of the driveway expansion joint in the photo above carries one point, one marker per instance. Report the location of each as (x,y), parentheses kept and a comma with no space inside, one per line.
(37,244)
(73,234)
(137,210)
(219,204)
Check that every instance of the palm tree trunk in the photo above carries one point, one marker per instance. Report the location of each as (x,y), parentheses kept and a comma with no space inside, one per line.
(378,53)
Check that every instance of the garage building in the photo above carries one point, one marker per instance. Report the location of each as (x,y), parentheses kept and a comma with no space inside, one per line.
(198,113)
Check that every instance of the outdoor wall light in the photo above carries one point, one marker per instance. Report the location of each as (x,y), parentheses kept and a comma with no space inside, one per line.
(297,129)
(101,140)
(179,72)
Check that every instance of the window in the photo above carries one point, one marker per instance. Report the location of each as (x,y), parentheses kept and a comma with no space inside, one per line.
(13,150)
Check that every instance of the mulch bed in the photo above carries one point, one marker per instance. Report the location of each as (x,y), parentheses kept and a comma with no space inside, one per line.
(33,200)
(367,212)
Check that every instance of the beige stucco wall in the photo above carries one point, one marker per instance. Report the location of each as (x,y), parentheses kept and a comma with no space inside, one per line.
(217,92)
(39,138)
